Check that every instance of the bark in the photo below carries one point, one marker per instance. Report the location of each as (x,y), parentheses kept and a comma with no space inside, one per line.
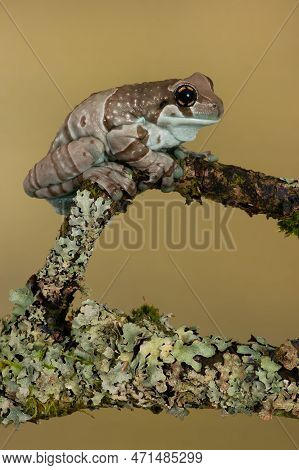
(251,191)
(54,361)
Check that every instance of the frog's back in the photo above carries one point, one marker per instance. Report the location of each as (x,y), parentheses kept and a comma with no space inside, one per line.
(85,120)
(136,100)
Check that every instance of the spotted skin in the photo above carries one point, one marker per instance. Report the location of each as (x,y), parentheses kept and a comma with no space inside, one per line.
(129,126)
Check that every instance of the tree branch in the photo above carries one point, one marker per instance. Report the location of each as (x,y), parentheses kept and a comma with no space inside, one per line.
(111,359)
(54,361)
(251,191)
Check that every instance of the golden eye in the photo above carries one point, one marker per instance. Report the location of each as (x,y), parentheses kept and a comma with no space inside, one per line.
(185,95)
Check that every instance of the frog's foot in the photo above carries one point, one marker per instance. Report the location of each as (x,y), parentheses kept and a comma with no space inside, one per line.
(168,183)
(180,152)
(159,166)
(113,178)
(206,155)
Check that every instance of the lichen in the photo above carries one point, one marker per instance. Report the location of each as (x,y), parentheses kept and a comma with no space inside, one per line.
(68,259)
(21,298)
(111,360)
(186,354)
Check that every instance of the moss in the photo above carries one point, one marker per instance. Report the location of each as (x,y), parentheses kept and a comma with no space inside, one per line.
(189,190)
(36,408)
(237,180)
(290,225)
(146,312)
(93,188)
(50,409)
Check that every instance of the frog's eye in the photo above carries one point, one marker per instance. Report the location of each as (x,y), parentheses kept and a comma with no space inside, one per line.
(185,95)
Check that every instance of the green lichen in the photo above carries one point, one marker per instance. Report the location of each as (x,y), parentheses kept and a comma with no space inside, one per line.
(268,365)
(21,298)
(149,360)
(222,344)
(245,349)
(115,376)
(133,360)
(186,354)
(131,334)
(237,180)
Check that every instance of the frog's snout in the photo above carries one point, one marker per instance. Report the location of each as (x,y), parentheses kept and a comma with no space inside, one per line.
(218,105)
(215,106)
(215,110)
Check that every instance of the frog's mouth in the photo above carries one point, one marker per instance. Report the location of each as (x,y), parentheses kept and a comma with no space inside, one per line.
(198,121)
(185,128)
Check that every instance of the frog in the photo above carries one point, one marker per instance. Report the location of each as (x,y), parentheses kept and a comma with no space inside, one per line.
(111,133)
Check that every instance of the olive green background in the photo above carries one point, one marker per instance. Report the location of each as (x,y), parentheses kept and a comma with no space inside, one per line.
(54,54)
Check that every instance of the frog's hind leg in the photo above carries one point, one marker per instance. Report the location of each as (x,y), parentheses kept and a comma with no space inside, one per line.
(56,174)
(113,177)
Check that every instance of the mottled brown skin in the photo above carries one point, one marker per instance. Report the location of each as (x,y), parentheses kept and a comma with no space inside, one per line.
(145,99)
(134,125)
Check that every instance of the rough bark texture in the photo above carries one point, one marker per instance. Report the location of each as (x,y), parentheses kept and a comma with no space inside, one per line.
(54,361)
(251,191)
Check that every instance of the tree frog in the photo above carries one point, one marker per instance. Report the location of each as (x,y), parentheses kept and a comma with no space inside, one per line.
(140,126)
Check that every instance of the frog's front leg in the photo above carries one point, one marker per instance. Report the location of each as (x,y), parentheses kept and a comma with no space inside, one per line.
(181,153)
(128,144)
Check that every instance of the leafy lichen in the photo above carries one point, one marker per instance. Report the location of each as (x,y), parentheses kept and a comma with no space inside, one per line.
(114,361)
(21,298)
